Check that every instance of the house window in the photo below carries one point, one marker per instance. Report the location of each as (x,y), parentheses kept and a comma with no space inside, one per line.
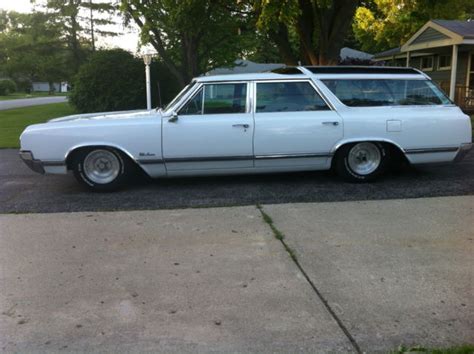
(427,63)
(444,62)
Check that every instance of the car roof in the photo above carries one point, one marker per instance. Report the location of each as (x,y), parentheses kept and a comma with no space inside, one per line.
(322,72)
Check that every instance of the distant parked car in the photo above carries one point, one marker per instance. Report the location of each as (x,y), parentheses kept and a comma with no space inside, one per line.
(354,119)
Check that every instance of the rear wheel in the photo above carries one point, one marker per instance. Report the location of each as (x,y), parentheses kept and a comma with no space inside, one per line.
(361,162)
(101,169)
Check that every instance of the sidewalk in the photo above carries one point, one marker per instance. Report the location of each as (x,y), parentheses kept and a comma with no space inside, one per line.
(26,102)
(380,273)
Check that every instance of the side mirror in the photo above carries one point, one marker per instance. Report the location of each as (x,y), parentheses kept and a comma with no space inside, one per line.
(173,118)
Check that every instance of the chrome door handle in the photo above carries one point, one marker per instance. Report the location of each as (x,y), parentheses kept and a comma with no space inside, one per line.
(241,126)
(331,123)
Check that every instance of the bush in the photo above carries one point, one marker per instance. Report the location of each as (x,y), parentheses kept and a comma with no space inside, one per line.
(111,80)
(7,86)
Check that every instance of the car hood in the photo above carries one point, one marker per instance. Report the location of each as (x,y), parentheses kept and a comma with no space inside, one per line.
(104,115)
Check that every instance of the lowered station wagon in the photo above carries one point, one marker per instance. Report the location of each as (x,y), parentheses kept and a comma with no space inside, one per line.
(353,119)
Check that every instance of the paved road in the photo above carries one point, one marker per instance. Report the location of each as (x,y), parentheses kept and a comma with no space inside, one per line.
(22,190)
(25,102)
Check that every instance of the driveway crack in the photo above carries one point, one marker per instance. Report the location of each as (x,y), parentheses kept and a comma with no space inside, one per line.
(281,237)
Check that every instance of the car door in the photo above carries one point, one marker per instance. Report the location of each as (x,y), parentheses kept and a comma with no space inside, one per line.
(294,126)
(212,130)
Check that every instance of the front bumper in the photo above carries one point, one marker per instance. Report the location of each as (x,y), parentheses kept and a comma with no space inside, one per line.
(29,160)
(462,152)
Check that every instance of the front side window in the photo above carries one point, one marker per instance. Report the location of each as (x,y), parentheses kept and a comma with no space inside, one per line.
(288,97)
(388,92)
(194,105)
(217,99)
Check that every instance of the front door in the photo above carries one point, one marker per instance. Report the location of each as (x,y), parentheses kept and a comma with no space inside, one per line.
(293,125)
(213,130)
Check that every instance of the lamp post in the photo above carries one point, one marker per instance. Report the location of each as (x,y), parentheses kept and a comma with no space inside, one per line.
(147,60)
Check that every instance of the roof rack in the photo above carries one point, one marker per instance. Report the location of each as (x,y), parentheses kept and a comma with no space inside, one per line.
(361,70)
(287,70)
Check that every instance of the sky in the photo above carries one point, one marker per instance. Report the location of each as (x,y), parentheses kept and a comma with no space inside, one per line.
(127,39)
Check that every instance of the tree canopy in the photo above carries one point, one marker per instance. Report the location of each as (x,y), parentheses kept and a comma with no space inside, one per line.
(191,37)
(383,24)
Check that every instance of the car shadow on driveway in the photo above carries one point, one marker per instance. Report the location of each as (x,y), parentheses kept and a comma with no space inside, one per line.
(22,190)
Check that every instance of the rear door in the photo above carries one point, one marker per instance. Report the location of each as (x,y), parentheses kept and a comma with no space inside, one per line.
(213,130)
(294,126)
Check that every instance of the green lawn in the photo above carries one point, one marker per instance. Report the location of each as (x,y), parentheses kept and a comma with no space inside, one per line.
(462,349)
(14,121)
(17,95)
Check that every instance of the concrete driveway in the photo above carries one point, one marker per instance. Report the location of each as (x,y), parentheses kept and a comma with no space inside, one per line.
(25,102)
(367,276)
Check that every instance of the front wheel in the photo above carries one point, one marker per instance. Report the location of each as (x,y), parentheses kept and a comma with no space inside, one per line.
(361,162)
(100,169)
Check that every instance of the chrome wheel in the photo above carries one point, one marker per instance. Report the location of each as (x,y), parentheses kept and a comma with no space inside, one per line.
(101,166)
(364,158)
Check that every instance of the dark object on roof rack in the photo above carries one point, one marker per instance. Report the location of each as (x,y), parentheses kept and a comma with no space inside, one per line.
(361,70)
(287,70)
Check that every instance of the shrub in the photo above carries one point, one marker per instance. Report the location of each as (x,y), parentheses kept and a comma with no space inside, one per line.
(7,86)
(111,80)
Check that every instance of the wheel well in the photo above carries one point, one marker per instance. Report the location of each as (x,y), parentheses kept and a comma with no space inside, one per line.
(72,154)
(395,153)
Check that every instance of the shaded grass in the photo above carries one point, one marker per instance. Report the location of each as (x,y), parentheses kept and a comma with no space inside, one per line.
(14,121)
(462,349)
(277,233)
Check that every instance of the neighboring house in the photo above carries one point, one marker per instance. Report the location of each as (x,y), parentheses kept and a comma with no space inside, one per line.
(243,67)
(44,87)
(445,51)
(349,53)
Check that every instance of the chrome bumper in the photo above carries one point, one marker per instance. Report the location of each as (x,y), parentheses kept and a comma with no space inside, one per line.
(462,152)
(28,159)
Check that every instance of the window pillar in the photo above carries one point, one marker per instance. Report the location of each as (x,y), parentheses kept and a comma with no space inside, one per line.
(454,68)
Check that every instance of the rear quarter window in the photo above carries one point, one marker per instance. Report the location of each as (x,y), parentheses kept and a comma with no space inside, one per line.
(386,92)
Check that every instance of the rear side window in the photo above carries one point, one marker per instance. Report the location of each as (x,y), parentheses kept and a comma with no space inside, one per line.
(288,97)
(388,92)
(217,99)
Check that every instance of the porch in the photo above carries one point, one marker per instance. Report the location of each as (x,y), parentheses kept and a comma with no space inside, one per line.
(444,50)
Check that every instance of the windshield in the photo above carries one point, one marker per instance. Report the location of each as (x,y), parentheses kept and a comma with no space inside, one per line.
(180,95)
(386,92)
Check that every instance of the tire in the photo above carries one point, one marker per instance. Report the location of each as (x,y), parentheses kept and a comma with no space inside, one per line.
(101,169)
(361,162)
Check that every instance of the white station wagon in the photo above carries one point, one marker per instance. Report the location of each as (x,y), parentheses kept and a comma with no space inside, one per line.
(352,119)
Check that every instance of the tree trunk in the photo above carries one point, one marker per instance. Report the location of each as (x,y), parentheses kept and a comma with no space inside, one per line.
(334,24)
(280,38)
(92,26)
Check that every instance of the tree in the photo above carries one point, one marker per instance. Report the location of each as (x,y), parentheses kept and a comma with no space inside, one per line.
(191,37)
(383,24)
(111,80)
(95,22)
(307,31)
(80,21)
(31,48)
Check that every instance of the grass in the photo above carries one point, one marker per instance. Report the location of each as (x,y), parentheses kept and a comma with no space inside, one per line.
(462,349)
(19,95)
(14,121)
(277,233)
